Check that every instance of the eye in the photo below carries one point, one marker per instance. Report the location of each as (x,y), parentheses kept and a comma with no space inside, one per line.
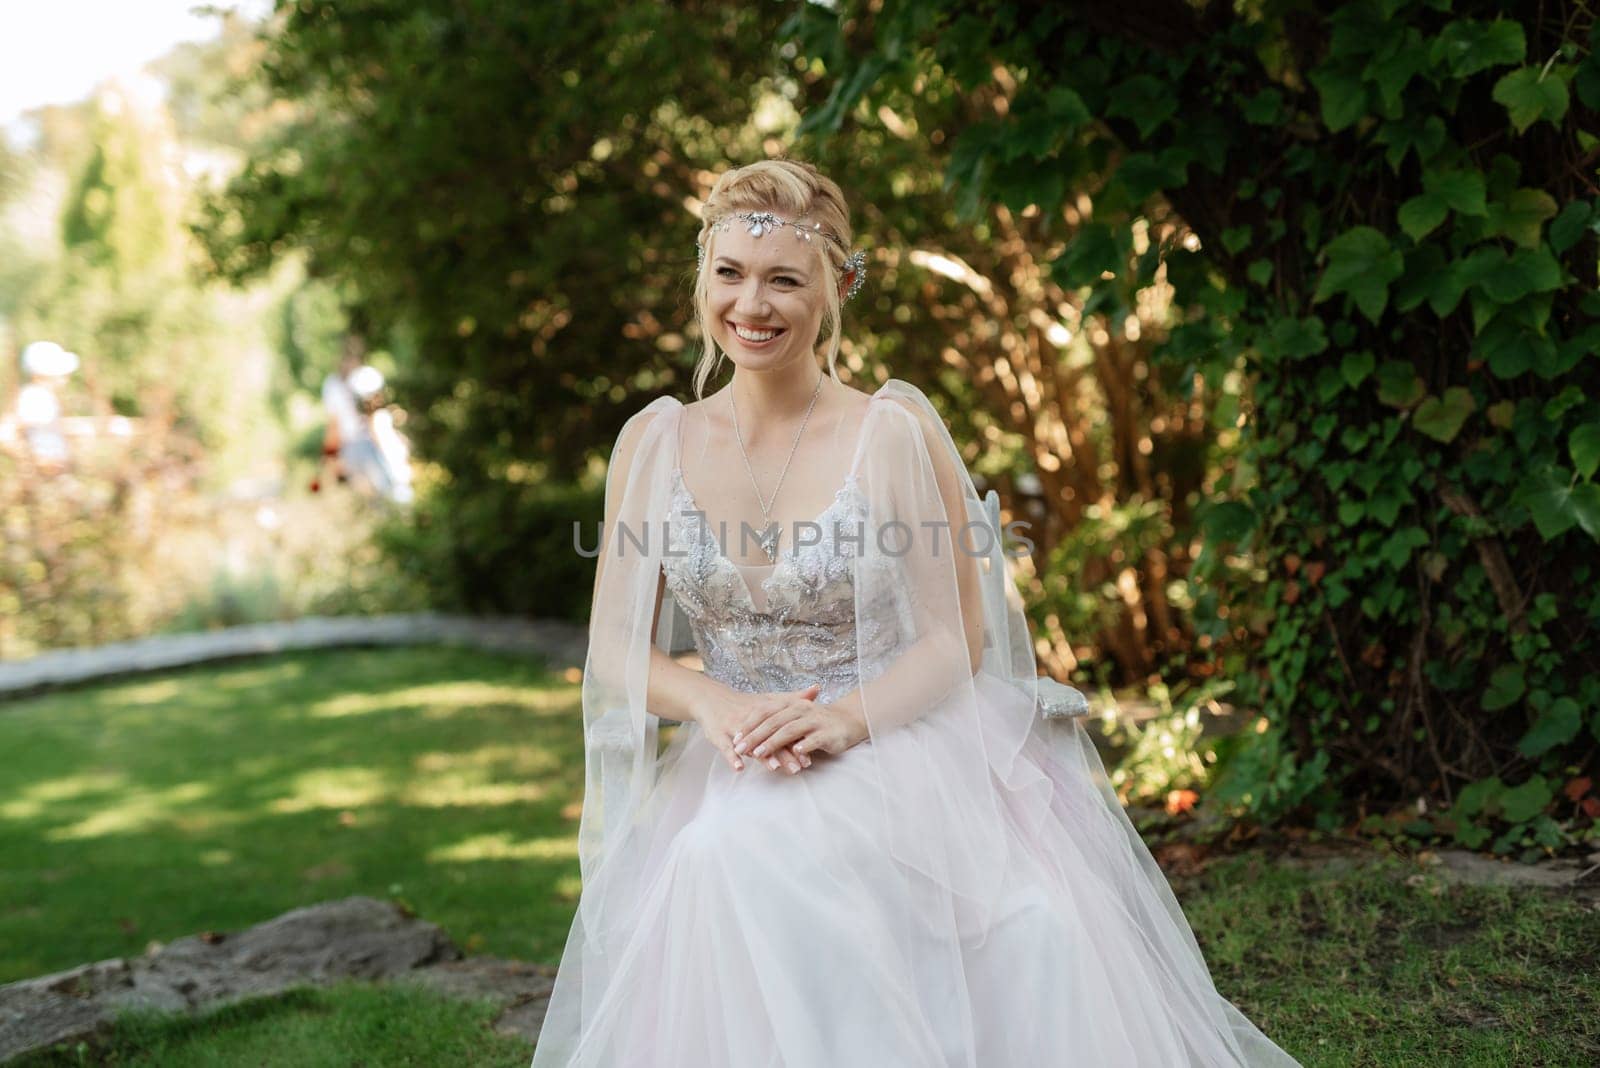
(786,279)
(726,272)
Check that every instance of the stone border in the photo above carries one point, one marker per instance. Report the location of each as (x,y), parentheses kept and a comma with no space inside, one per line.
(561,644)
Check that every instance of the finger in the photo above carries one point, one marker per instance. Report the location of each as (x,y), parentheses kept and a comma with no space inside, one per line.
(754,717)
(818,741)
(786,760)
(790,732)
(731,757)
(753,737)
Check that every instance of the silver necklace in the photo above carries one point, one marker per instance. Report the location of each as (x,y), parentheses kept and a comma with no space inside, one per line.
(768,539)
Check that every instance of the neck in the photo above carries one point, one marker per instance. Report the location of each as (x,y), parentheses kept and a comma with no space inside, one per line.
(779,395)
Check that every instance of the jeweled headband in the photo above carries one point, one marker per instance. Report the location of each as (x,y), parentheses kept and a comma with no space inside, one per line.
(760,223)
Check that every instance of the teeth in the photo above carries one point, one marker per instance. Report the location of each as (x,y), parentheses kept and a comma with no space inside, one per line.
(755,335)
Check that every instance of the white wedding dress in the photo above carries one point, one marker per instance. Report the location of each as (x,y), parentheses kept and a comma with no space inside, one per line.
(842,917)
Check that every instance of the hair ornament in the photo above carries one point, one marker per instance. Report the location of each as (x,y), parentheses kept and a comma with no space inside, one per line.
(761,223)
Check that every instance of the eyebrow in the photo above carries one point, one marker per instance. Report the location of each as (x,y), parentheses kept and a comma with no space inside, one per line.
(773,270)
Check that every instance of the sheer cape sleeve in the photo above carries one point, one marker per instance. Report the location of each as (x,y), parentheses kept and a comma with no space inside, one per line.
(621,736)
(940,634)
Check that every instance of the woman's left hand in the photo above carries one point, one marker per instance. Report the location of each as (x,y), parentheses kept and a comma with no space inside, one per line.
(805,727)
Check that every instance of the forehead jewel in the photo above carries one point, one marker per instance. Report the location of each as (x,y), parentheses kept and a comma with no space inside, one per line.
(761,223)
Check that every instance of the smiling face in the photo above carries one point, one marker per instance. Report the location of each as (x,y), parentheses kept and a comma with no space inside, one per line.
(764,295)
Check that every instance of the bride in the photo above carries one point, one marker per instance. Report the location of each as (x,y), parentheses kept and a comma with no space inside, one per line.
(860,846)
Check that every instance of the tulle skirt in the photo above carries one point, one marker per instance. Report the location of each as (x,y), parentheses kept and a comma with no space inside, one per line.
(773,928)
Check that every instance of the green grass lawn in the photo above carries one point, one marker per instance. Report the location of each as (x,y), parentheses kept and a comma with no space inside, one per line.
(221,797)
(218,798)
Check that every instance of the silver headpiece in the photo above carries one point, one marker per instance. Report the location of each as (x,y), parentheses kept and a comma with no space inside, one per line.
(760,223)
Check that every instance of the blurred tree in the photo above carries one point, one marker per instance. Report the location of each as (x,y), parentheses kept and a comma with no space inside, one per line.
(501,185)
(120,291)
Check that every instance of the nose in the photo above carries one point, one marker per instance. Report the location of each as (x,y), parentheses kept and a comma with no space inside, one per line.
(752,299)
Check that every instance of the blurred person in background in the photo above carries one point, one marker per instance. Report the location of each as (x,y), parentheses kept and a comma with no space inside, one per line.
(381,459)
(45,366)
(343,412)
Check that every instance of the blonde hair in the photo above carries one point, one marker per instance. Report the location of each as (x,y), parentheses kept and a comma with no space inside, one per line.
(788,188)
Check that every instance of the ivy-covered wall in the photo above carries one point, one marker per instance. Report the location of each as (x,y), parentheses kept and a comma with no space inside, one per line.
(1398,217)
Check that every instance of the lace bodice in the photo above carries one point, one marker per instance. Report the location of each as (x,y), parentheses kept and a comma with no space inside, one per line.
(797,625)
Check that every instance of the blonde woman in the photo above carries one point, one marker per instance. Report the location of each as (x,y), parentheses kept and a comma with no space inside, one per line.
(862,847)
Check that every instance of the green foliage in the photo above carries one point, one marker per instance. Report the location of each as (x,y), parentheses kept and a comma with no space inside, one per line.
(499,552)
(1396,214)
(498,188)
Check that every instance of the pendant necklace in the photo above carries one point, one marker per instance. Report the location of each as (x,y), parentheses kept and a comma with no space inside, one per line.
(769,533)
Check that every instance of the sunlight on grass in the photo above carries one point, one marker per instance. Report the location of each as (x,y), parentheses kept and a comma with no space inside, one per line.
(149,693)
(140,810)
(335,788)
(503,847)
(444,791)
(439,700)
(520,759)
(33,800)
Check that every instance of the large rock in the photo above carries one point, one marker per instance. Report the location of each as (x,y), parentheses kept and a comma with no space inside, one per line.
(356,938)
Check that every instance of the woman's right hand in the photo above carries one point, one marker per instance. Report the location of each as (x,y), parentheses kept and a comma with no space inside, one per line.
(720,716)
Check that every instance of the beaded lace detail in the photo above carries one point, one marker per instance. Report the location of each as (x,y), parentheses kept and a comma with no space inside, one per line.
(806,631)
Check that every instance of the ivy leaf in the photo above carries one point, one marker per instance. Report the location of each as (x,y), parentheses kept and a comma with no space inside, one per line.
(1556,725)
(1406,134)
(1586,80)
(1343,96)
(1521,215)
(1362,263)
(1067,107)
(1090,253)
(1525,271)
(1419,215)
(1586,508)
(1501,414)
(1235,238)
(1506,687)
(1399,385)
(1385,508)
(1529,97)
(1397,549)
(1263,108)
(1228,521)
(1294,339)
(1478,796)
(1548,498)
(1521,803)
(1462,190)
(1442,419)
(1568,228)
(1393,68)
(1145,99)
(1584,445)
(1356,366)
(1511,348)
(1467,46)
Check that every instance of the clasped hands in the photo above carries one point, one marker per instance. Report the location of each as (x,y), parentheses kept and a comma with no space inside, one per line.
(782,729)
